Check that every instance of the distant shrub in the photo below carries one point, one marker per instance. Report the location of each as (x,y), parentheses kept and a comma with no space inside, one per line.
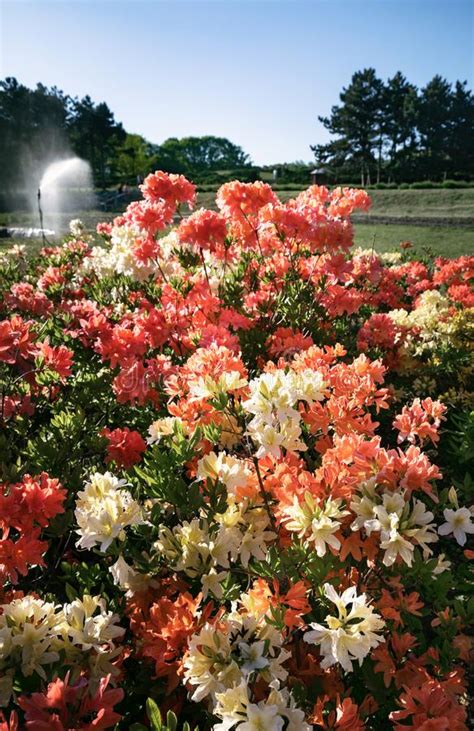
(290,186)
(423,184)
(456,184)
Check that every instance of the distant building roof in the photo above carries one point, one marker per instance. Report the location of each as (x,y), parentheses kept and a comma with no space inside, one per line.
(318,171)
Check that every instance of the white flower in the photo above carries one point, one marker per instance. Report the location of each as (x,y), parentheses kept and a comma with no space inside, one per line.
(253,655)
(212,582)
(315,522)
(231,706)
(208,665)
(442,565)
(458,522)
(399,526)
(352,634)
(76,227)
(206,387)
(273,401)
(232,472)
(127,578)
(222,657)
(103,510)
(262,718)
(287,709)
(394,544)
(30,634)
(161,428)
(90,625)
(100,261)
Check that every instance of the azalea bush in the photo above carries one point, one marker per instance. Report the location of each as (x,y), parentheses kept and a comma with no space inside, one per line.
(235,462)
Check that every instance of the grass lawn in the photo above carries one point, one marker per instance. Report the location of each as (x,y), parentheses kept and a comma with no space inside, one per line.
(436,203)
(449,208)
(442,241)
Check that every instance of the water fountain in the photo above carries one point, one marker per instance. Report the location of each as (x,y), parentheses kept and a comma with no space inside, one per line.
(65,188)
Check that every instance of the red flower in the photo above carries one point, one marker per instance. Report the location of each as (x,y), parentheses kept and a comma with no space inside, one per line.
(11,725)
(58,359)
(204,229)
(16,556)
(64,707)
(34,500)
(16,340)
(125,447)
(170,189)
(432,707)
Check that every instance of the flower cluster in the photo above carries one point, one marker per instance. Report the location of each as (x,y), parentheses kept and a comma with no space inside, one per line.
(235,461)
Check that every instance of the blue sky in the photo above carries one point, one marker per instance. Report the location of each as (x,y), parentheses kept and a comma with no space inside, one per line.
(256,71)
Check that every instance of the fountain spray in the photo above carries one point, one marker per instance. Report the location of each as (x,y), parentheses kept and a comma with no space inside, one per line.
(40,211)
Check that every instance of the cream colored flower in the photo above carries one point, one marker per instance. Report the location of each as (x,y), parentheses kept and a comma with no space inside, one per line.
(233,472)
(161,428)
(223,656)
(458,522)
(90,625)
(103,510)
(350,635)
(30,634)
(314,522)
(262,717)
(127,578)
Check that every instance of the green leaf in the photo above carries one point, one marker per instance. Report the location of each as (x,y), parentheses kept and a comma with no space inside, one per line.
(71,593)
(154,715)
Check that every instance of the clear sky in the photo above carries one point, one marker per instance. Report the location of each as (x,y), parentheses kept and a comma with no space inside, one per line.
(256,71)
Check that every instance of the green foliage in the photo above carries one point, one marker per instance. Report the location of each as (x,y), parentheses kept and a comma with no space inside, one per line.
(192,154)
(156,719)
(396,131)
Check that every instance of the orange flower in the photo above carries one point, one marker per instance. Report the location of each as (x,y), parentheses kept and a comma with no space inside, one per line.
(431,708)
(344,717)
(166,631)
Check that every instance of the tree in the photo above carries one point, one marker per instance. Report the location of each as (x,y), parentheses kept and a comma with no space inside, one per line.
(461,132)
(434,123)
(358,124)
(33,128)
(399,126)
(134,157)
(192,154)
(95,136)
(399,131)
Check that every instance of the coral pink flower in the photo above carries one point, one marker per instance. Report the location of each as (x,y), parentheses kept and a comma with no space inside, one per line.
(241,200)
(11,724)
(420,420)
(63,707)
(125,447)
(170,189)
(24,297)
(430,707)
(205,230)
(16,340)
(58,359)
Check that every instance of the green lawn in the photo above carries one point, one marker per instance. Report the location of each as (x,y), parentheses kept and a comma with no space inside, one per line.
(437,203)
(442,241)
(453,211)
(457,204)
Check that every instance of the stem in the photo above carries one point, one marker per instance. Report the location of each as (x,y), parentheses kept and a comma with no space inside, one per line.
(265,495)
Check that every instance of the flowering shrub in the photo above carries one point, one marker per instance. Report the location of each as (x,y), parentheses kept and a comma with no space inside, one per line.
(234,473)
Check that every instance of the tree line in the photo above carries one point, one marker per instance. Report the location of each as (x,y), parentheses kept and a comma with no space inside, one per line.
(394,132)
(42,124)
(381,132)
